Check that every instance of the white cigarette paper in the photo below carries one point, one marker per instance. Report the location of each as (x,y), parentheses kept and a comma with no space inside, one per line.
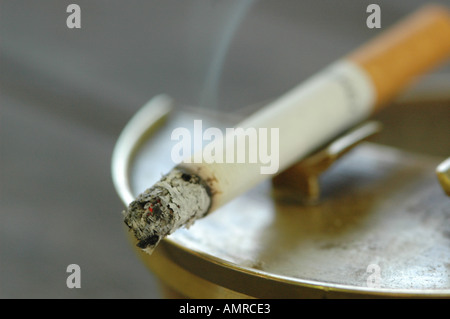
(305,117)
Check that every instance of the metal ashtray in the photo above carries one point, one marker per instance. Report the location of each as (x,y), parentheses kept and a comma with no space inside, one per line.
(378,227)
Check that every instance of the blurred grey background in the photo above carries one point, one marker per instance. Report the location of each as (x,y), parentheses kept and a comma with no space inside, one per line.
(67,93)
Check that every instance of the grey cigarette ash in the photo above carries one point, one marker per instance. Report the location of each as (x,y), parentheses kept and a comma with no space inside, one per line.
(176,200)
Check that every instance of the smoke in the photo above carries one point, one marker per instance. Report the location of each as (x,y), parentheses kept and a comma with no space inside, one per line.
(215,22)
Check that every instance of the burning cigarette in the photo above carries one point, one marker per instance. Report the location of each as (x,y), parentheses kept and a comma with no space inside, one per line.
(308,116)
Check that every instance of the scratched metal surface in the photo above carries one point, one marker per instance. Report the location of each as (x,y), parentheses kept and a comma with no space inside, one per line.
(66,95)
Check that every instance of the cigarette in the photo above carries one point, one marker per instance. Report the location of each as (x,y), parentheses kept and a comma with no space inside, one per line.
(340,96)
